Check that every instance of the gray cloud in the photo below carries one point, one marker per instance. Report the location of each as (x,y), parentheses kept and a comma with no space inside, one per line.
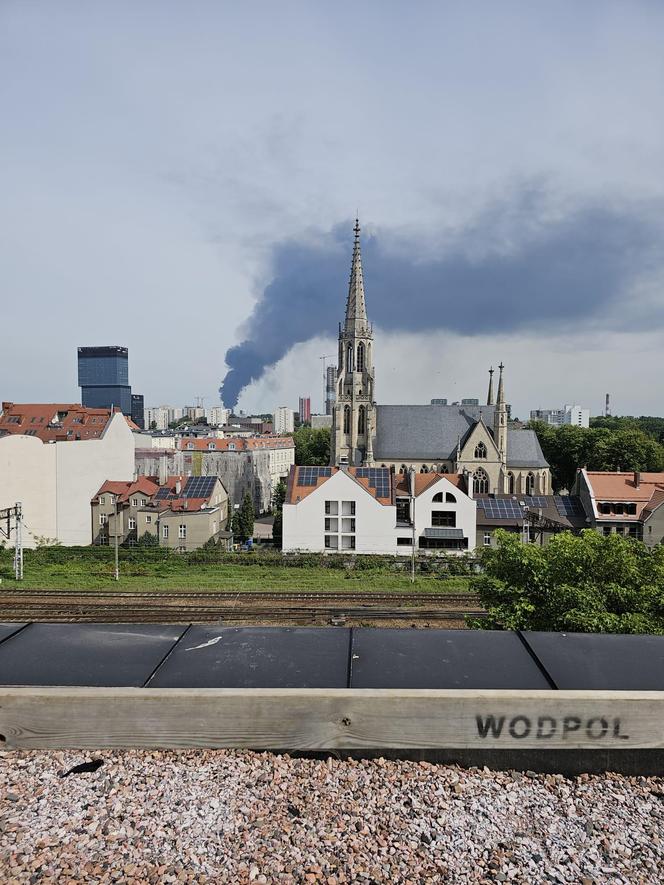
(509,271)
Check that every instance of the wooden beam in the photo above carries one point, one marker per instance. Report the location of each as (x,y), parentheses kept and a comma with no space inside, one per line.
(327,719)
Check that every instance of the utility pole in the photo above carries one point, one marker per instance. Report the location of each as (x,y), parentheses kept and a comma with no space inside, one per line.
(411,482)
(18,547)
(117,529)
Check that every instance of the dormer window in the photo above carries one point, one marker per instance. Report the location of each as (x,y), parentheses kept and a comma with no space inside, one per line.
(190,446)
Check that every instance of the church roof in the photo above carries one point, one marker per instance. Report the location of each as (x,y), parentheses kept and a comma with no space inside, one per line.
(425,432)
(524,450)
(432,432)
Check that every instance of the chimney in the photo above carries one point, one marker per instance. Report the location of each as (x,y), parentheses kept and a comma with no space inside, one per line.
(637,479)
(178,486)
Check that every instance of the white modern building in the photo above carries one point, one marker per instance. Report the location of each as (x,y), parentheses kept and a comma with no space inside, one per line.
(373,510)
(162,416)
(283,420)
(55,480)
(575,415)
(217,416)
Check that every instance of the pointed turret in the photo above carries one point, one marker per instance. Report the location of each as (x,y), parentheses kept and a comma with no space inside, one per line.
(489,398)
(356,310)
(500,419)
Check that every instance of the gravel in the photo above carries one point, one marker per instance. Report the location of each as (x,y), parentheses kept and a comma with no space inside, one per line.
(230,816)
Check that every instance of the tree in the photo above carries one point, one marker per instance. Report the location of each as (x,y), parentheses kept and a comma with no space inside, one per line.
(242,524)
(312,446)
(278,499)
(585,583)
(153,425)
(148,540)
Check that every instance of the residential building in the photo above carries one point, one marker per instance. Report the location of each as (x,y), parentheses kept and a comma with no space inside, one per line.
(374,510)
(536,519)
(193,412)
(330,389)
(575,415)
(217,416)
(628,504)
(283,421)
(53,459)
(304,409)
(182,513)
(280,450)
(318,422)
(427,438)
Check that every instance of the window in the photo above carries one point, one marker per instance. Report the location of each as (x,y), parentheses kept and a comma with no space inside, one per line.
(404,542)
(403,469)
(403,509)
(450,498)
(437,499)
(424,469)
(331,508)
(134,502)
(480,482)
(606,530)
(348,508)
(530,484)
(103,519)
(144,501)
(132,523)
(443,518)
(164,532)
(444,469)
(331,542)
(190,445)
(360,420)
(360,357)
(348,542)
(102,499)
(212,447)
(148,519)
(487,539)
(480,450)
(349,358)
(346,419)
(231,447)
(182,531)
(348,525)
(331,525)
(510,483)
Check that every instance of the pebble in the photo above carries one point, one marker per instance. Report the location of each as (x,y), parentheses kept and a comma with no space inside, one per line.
(208,816)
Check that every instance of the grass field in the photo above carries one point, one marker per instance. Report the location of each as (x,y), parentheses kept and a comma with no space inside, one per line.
(178,573)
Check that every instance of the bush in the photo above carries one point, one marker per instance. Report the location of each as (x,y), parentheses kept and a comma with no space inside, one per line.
(583,583)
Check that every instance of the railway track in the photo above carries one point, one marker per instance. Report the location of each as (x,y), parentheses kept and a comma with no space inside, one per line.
(229,607)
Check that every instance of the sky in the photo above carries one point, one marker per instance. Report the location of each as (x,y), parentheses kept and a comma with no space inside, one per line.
(182,179)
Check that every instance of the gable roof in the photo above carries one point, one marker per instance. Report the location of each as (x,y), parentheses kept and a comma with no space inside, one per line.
(298,489)
(423,481)
(524,450)
(613,486)
(55,422)
(425,432)
(124,490)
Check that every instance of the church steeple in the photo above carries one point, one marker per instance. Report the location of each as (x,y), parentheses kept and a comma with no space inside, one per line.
(489,399)
(500,419)
(356,309)
(354,419)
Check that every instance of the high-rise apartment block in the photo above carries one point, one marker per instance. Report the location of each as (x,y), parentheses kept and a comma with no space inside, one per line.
(304,409)
(217,416)
(103,376)
(283,420)
(330,389)
(567,415)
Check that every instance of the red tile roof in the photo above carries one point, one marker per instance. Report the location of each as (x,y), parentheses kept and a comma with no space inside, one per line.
(54,422)
(398,483)
(125,490)
(234,443)
(637,488)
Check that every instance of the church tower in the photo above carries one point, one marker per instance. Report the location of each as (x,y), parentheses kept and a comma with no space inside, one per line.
(353,424)
(500,419)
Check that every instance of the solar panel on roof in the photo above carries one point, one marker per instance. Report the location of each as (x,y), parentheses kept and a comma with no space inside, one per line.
(309,476)
(379,479)
(568,505)
(162,494)
(199,486)
(501,508)
(535,500)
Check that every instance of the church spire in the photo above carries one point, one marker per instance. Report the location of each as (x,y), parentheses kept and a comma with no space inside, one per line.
(489,399)
(356,311)
(501,393)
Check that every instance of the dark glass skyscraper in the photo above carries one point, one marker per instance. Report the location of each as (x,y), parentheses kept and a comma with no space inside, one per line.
(103,376)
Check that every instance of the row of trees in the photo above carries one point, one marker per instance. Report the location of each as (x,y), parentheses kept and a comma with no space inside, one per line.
(585,583)
(625,447)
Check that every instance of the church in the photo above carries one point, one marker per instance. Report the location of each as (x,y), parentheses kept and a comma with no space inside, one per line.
(475,441)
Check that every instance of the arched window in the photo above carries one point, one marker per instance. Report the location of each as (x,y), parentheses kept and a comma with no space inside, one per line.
(346,419)
(438,498)
(360,357)
(510,483)
(480,482)
(450,498)
(444,469)
(360,420)
(480,450)
(349,358)
(530,484)
(403,469)
(424,469)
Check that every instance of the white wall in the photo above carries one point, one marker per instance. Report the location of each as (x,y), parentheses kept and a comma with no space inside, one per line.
(465,509)
(304,523)
(56,481)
